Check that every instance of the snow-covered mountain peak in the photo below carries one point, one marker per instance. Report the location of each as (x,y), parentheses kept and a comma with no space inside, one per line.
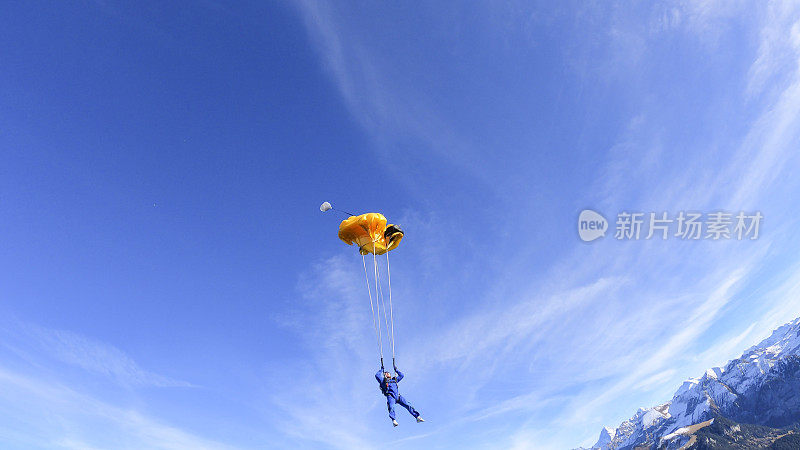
(714,373)
(784,340)
(717,390)
(606,435)
(687,386)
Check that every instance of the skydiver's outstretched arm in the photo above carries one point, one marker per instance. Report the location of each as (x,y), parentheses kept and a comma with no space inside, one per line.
(399,374)
(379,375)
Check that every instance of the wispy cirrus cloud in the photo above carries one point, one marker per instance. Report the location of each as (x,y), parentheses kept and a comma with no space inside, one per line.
(41,345)
(46,414)
(43,407)
(387,107)
(100,358)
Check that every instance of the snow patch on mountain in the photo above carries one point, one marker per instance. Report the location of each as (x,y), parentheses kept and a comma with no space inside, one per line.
(606,435)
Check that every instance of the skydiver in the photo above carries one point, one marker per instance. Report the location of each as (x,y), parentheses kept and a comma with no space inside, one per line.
(388,385)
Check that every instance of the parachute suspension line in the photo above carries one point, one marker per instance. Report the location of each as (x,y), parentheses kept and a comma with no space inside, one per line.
(391,313)
(379,294)
(374,324)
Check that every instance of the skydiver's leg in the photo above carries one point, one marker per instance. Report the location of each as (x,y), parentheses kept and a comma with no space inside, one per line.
(402,402)
(390,404)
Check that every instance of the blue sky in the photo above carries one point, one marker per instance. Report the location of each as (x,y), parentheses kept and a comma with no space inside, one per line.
(167,281)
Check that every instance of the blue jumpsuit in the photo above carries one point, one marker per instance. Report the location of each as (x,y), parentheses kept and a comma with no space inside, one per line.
(389,389)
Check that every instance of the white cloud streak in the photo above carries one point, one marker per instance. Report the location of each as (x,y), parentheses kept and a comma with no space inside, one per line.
(43,346)
(46,414)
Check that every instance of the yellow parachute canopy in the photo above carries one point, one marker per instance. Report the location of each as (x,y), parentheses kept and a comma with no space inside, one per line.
(370,233)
